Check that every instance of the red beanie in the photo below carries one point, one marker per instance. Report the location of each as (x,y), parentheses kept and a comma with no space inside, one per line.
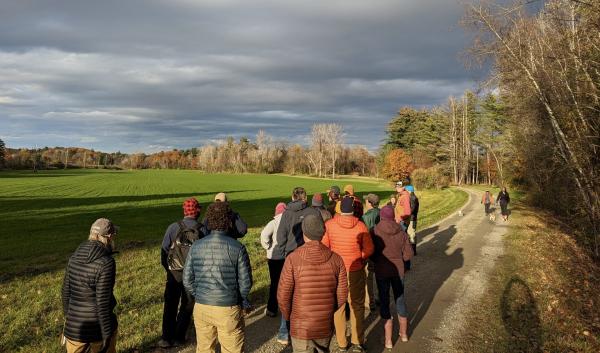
(191,208)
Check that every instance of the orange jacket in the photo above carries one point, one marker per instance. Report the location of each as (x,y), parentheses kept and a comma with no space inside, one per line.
(348,237)
(402,210)
(491,199)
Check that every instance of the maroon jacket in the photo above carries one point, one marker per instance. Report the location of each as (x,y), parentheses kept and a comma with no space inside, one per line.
(392,248)
(312,287)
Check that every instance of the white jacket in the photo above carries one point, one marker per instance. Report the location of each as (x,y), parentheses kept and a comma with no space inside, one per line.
(268,237)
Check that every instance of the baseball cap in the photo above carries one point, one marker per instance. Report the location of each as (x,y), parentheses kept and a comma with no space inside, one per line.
(372,199)
(103,227)
(349,189)
(221,197)
(334,190)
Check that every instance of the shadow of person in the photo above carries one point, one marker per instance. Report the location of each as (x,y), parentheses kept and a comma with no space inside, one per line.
(521,318)
(429,272)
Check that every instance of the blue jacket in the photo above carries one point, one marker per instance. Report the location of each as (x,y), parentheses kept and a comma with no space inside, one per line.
(217,271)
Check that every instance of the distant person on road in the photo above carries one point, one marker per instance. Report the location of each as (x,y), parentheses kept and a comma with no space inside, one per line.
(176,244)
(218,274)
(349,193)
(238,227)
(290,237)
(334,197)
(370,219)
(348,237)
(313,286)
(503,199)
(275,260)
(317,203)
(414,213)
(487,200)
(87,293)
(402,207)
(392,249)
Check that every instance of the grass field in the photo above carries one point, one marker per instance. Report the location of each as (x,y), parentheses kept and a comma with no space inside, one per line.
(44,217)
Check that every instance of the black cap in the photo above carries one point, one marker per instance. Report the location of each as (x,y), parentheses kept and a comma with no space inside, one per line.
(347,205)
(334,190)
(313,227)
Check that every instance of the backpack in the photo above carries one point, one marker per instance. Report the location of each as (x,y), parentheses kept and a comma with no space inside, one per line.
(181,246)
(414,204)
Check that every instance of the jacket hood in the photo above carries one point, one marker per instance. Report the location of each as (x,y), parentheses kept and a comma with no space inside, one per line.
(345,221)
(90,251)
(387,227)
(296,206)
(315,252)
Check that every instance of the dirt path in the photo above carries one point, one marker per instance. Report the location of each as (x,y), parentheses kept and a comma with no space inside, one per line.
(450,272)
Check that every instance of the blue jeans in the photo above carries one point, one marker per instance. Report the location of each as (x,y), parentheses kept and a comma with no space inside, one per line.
(284,330)
(383,285)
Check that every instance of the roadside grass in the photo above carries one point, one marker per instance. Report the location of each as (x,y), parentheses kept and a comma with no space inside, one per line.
(543,296)
(45,216)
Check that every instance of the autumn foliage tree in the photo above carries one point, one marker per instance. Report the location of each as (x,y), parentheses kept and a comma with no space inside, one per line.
(398,165)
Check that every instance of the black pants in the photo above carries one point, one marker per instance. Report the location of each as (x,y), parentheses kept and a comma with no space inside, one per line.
(275,267)
(175,325)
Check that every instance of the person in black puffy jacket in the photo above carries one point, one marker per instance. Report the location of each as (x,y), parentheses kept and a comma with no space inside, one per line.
(87,293)
(218,274)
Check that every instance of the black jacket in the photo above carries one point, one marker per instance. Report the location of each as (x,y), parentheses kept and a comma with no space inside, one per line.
(217,271)
(289,233)
(87,294)
(503,198)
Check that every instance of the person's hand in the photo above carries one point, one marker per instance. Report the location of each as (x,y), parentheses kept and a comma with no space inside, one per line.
(247,308)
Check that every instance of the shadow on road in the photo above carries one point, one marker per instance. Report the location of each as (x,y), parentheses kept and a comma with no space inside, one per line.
(521,318)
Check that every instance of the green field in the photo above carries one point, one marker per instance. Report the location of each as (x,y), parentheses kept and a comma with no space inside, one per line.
(44,217)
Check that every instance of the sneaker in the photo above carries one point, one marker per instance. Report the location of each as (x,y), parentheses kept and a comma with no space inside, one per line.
(164,343)
(344,349)
(358,348)
(270,313)
(283,341)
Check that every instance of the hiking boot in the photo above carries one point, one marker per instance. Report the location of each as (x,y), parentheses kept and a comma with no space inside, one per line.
(164,343)
(358,348)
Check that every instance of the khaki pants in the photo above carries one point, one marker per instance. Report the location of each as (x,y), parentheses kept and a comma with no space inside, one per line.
(93,347)
(356,300)
(309,346)
(223,322)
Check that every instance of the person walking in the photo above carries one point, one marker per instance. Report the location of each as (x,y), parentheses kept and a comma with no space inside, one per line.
(313,286)
(370,219)
(218,274)
(317,203)
(358,207)
(503,199)
(348,237)
(402,206)
(238,227)
(487,200)
(414,213)
(289,237)
(392,249)
(87,293)
(176,243)
(275,260)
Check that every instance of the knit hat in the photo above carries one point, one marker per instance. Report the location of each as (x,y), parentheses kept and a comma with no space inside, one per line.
(409,188)
(349,189)
(387,213)
(191,208)
(317,200)
(347,205)
(103,227)
(280,208)
(221,197)
(313,227)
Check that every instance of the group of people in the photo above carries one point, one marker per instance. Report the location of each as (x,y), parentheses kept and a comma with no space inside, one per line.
(503,199)
(326,262)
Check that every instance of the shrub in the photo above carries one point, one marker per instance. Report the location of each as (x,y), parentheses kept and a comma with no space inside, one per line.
(429,178)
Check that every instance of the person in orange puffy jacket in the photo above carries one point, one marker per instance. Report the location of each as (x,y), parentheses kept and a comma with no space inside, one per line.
(348,237)
(402,210)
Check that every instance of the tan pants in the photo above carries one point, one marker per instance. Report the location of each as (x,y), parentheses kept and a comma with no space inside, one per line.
(223,322)
(93,347)
(356,300)
(309,346)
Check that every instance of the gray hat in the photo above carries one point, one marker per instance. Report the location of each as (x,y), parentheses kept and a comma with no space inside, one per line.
(313,227)
(103,227)
(372,199)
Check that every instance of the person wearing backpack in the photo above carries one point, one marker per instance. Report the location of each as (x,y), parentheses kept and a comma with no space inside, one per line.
(173,253)
(414,212)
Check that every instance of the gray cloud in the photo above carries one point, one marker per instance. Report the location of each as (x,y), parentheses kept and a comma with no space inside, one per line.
(145,75)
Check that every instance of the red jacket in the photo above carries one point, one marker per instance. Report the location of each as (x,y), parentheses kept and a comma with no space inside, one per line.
(348,237)
(402,209)
(312,286)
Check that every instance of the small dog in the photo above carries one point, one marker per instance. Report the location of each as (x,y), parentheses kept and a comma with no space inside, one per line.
(460,213)
(493,217)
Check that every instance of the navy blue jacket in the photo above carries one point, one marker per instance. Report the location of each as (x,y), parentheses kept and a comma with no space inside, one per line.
(217,271)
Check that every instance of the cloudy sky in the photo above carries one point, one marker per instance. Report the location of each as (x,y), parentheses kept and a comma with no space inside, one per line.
(146,75)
